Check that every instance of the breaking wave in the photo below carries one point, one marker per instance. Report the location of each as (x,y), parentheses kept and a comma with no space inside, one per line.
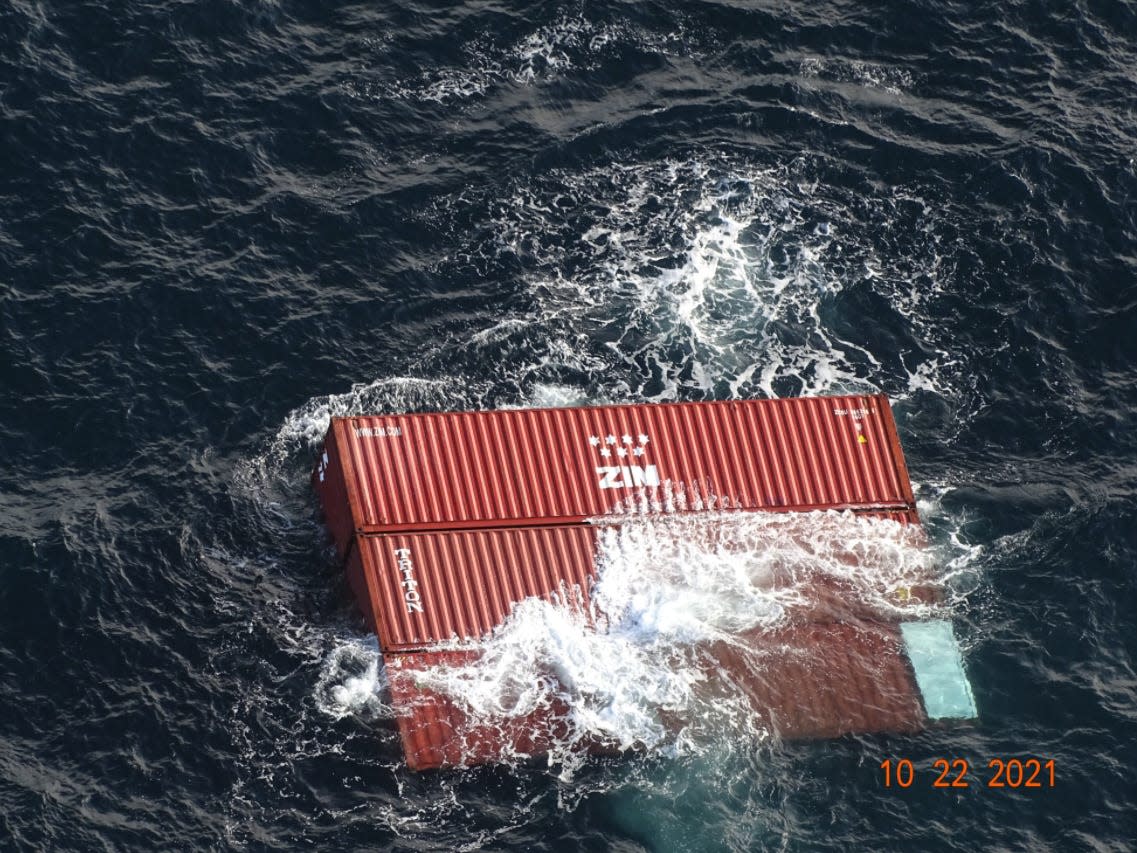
(640,669)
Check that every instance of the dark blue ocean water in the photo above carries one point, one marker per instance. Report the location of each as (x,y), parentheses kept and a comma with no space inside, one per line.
(223,221)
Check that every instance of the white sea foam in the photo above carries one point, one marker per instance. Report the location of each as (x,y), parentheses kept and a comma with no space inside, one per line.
(352,681)
(677,279)
(548,52)
(959,556)
(305,427)
(707,277)
(552,396)
(639,669)
(891,79)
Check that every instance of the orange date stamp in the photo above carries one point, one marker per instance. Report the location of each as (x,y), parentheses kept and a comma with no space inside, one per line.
(957,773)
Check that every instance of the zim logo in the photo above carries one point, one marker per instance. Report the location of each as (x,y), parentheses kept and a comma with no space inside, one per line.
(624,447)
(627,476)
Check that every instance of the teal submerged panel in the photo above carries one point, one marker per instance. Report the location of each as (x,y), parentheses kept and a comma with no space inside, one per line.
(938,664)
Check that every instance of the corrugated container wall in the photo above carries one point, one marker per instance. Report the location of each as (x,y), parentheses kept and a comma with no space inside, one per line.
(428,588)
(557,466)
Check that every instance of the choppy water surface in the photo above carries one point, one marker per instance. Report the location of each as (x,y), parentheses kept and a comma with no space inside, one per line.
(222,223)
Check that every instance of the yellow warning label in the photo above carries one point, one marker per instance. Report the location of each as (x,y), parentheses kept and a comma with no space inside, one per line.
(861,439)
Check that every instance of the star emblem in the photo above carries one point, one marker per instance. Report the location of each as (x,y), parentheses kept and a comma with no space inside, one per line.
(610,439)
(621,451)
(644,439)
(594,440)
(604,451)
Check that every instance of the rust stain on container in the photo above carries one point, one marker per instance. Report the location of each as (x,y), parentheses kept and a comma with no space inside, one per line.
(446,521)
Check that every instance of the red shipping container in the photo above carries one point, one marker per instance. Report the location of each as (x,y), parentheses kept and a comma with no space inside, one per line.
(417,590)
(447,520)
(421,589)
(455,470)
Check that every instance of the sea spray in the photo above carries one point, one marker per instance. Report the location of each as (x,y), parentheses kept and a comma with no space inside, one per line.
(639,669)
